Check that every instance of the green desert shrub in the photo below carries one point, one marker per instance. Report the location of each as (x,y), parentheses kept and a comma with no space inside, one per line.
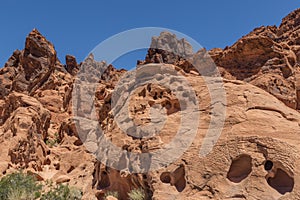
(62,192)
(53,142)
(19,186)
(111,193)
(137,194)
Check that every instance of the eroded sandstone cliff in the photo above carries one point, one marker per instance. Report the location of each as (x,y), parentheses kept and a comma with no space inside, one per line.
(256,156)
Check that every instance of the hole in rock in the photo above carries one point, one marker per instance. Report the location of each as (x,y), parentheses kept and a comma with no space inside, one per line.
(281,182)
(70,169)
(240,168)
(239,196)
(143,93)
(47,161)
(57,166)
(176,178)
(165,177)
(161,95)
(78,142)
(149,87)
(155,96)
(179,178)
(268,165)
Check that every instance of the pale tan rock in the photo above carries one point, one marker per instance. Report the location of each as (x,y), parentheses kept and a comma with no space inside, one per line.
(111,198)
(62,179)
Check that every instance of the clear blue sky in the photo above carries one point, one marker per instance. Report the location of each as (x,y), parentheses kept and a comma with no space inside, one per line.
(76,27)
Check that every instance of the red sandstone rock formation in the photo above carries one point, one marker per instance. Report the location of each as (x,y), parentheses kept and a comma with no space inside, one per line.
(256,156)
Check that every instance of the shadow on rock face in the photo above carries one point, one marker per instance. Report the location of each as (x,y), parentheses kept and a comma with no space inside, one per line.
(240,168)
(281,182)
(176,178)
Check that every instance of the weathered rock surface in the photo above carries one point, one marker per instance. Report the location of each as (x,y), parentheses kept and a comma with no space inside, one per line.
(256,156)
(258,128)
(35,103)
(267,58)
(71,64)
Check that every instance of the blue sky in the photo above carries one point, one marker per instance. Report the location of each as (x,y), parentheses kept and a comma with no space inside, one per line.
(76,27)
